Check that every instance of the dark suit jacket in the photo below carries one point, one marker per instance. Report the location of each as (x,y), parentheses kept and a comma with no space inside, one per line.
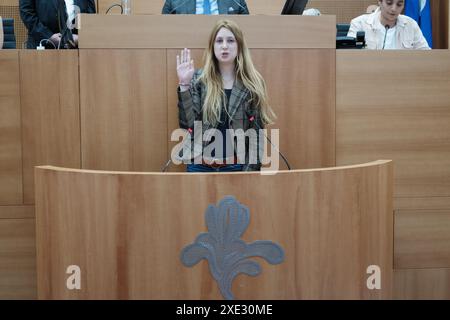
(42,19)
(225,7)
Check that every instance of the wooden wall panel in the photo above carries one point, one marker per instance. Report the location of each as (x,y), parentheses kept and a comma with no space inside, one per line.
(332,225)
(422,284)
(9,3)
(103,6)
(422,239)
(124,119)
(396,105)
(344,10)
(17,259)
(303,99)
(301,87)
(417,203)
(143,31)
(10,133)
(50,112)
(440,20)
(16,212)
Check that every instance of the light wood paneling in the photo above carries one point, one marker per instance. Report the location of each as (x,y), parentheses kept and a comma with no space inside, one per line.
(124,120)
(10,135)
(50,112)
(304,101)
(422,203)
(103,5)
(440,18)
(344,10)
(422,284)
(126,233)
(12,3)
(16,212)
(422,239)
(147,7)
(143,31)
(265,6)
(396,105)
(301,87)
(17,259)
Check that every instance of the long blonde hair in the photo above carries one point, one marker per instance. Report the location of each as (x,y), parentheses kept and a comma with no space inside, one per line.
(245,72)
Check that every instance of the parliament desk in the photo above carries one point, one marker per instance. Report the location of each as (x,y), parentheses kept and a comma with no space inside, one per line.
(125,232)
(111,105)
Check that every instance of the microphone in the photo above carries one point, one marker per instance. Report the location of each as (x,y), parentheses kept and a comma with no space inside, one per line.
(178,6)
(385,35)
(251,114)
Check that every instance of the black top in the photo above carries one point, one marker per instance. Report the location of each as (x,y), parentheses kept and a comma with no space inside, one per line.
(224,124)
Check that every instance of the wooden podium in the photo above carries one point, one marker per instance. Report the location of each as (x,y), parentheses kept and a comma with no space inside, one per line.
(125,231)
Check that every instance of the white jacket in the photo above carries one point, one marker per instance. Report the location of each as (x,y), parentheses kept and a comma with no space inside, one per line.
(408,36)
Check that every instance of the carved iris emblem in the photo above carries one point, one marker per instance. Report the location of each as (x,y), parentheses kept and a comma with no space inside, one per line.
(226,253)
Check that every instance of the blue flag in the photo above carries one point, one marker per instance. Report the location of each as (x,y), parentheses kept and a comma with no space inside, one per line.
(420,11)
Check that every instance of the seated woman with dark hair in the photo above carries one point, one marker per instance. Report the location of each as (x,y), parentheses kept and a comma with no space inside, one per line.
(387,28)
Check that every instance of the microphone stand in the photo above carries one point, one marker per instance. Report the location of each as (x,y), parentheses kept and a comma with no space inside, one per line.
(66,34)
(252,119)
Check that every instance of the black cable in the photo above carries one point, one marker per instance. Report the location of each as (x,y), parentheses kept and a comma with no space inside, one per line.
(48,41)
(252,119)
(115,5)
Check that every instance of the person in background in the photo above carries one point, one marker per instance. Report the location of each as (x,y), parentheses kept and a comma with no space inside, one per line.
(311,12)
(205,7)
(387,28)
(228,93)
(47,20)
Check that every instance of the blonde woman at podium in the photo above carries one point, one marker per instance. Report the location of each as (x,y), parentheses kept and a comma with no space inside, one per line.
(228,93)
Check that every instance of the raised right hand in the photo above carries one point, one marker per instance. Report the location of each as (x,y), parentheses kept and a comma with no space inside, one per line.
(185,67)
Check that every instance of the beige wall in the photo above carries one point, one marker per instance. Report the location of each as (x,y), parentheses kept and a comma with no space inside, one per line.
(387,109)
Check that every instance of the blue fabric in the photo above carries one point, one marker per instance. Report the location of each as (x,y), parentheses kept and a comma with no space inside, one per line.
(200,7)
(206,7)
(420,10)
(203,168)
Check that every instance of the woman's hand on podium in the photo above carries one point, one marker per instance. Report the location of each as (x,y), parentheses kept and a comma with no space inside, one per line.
(185,69)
